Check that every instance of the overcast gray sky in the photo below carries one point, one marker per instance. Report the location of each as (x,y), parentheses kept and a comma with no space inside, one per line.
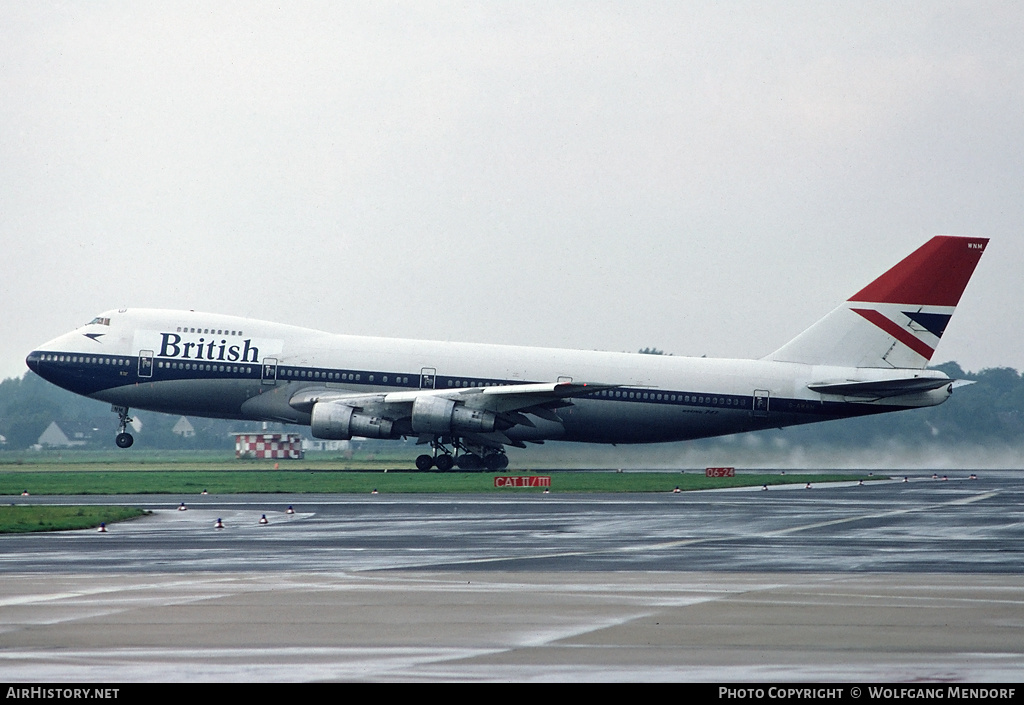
(706,178)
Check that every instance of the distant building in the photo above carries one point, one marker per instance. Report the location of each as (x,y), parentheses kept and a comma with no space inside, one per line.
(319,445)
(54,437)
(184,428)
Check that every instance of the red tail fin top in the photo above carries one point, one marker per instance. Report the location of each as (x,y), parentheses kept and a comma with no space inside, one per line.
(935,274)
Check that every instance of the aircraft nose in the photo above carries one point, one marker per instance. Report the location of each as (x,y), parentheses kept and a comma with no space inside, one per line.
(33,361)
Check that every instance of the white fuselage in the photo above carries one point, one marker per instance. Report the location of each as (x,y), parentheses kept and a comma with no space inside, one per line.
(200,364)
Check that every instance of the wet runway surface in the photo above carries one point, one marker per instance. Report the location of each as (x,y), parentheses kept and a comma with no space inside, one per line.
(889,581)
(925,525)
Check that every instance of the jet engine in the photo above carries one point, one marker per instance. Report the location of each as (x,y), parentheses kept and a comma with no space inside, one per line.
(432,414)
(339,422)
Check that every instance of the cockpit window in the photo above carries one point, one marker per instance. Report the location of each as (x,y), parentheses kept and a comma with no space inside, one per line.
(99,322)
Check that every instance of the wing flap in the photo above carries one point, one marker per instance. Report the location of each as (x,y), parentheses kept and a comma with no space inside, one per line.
(525,397)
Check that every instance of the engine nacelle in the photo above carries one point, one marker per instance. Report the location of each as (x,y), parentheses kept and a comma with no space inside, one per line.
(431,414)
(339,422)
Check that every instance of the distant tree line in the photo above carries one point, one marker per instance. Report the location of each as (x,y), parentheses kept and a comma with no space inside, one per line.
(989,412)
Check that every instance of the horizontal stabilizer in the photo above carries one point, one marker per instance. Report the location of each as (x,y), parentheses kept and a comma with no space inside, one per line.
(881,388)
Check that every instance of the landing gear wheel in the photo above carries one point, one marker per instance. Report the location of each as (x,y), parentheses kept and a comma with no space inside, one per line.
(444,462)
(470,461)
(496,461)
(123,439)
(424,462)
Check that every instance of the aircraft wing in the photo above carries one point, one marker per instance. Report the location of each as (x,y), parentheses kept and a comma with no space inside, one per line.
(533,398)
(480,414)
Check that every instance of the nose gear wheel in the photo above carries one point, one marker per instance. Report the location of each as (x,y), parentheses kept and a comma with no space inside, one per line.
(123,439)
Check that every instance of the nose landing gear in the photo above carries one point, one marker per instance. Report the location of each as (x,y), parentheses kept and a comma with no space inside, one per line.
(123,439)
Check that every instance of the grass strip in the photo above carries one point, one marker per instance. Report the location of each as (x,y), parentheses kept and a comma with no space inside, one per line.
(20,519)
(121,482)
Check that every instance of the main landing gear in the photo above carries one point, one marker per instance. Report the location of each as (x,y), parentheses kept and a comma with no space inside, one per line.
(123,439)
(461,455)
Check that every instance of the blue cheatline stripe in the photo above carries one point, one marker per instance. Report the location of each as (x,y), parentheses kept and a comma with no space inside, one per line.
(89,374)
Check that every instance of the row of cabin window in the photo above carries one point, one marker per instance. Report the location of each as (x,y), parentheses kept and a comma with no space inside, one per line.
(660,396)
(335,376)
(208,331)
(471,383)
(316,374)
(233,369)
(357,377)
(81,359)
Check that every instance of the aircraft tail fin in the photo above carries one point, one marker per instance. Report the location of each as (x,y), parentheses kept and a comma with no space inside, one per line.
(896,321)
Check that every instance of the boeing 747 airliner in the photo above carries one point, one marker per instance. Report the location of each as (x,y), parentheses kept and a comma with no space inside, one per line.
(470,401)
